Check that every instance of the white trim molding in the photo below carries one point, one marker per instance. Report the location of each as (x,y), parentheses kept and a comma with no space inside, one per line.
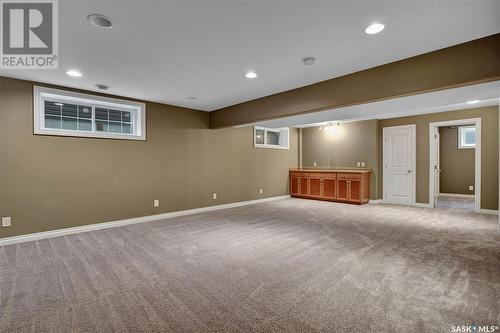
(433,149)
(457,195)
(134,220)
(488,211)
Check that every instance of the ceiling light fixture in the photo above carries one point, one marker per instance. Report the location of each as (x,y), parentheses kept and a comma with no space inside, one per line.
(100,21)
(192,97)
(251,75)
(309,61)
(474,101)
(74,73)
(374,28)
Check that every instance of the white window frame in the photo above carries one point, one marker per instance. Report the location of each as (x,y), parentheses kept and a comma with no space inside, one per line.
(284,137)
(40,94)
(461,134)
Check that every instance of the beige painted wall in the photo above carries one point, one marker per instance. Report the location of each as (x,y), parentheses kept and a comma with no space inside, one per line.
(350,143)
(489,153)
(50,182)
(457,165)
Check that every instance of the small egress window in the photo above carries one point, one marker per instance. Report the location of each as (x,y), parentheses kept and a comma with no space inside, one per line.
(65,113)
(277,138)
(466,137)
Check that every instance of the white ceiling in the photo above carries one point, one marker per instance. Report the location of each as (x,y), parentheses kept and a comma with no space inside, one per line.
(440,101)
(168,51)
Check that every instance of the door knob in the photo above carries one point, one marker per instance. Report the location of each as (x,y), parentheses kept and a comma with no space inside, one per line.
(409,171)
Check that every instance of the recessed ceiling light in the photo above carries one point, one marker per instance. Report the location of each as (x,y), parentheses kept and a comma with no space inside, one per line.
(74,73)
(101,86)
(474,101)
(374,28)
(100,21)
(192,97)
(251,75)
(309,61)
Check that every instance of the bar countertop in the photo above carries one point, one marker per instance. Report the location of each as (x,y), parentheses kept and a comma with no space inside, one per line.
(356,170)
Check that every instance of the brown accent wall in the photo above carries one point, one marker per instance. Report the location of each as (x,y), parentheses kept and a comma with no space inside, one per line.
(350,143)
(459,65)
(457,165)
(489,152)
(50,182)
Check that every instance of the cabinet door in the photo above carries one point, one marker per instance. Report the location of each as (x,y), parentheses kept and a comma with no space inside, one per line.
(294,185)
(315,186)
(303,186)
(343,189)
(329,188)
(354,190)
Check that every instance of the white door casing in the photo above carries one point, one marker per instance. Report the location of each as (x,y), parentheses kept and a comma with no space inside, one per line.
(399,155)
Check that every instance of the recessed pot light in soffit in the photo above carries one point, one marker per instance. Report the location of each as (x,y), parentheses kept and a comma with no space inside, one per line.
(374,28)
(309,61)
(100,21)
(101,86)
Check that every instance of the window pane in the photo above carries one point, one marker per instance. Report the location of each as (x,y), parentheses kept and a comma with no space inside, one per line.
(126,116)
(470,137)
(115,115)
(52,108)
(126,128)
(115,127)
(69,123)
(101,126)
(101,113)
(52,121)
(273,138)
(84,125)
(259,137)
(84,112)
(69,110)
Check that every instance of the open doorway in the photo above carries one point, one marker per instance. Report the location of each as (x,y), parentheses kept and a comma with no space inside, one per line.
(455,165)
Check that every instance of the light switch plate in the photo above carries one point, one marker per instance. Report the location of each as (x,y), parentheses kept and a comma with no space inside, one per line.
(6,221)
(156,203)
(260,191)
(471,187)
(315,164)
(214,196)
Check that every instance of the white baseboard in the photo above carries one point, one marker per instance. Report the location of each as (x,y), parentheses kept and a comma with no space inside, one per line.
(422,205)
(454,195)
(488,211)
(134,220)
(375,201)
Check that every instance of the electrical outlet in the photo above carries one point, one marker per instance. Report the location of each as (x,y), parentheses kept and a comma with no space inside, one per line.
(156,203)
(358,164)
(315,164)
(260,190)
(471,187)
(214,196)
(363,164)
(6,221)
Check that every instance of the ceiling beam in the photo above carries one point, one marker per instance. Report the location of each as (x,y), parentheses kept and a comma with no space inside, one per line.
(460,65)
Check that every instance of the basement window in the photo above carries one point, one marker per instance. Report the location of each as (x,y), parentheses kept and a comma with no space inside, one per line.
(277,138)
(66,113)
(466,137)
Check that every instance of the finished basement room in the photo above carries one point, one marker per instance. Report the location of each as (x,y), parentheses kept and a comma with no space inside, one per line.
(249,166)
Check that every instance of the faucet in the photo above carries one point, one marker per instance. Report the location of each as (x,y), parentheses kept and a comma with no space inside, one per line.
(330,162)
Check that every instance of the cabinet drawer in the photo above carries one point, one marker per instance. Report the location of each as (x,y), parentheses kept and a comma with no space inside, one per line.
(349,176)
(329,175)
(298,174)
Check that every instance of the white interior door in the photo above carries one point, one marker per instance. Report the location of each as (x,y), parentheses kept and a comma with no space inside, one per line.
(399,164)
(437,167)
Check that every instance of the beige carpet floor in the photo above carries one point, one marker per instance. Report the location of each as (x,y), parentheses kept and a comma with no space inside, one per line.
(286,266)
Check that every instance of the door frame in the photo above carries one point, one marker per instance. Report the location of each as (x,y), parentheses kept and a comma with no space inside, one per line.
(413,190)
(433,149)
